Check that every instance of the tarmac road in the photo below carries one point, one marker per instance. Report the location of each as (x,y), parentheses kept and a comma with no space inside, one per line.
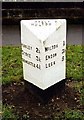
(11,34)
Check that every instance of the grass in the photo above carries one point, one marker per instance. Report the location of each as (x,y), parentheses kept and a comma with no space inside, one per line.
(74,62)
(66,115)
(8,113)
(74,115)
(70,115)
(12,63)
(12,71)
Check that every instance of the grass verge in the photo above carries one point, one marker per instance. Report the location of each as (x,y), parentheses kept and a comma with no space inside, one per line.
(12,71)
(8,114)
(12,63)
(70,115)
(74,62)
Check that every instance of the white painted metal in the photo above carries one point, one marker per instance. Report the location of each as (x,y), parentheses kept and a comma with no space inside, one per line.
(43,51)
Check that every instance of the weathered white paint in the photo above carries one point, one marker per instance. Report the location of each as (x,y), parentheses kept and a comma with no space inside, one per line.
(43,51)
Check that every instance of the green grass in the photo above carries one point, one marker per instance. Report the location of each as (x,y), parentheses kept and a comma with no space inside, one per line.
(82,95)
(12,71)
(66,115)
(70,114)
(11,64)
(74,62)
(8,114)
(74,115)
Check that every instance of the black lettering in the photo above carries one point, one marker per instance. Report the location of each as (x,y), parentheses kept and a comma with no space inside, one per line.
(49,23)
(46,65)
(55,54)
(26,54)
(49,65)
(27,46)
(46,23)
(46,49)
(46,57)
(38,59)
(50,56)
(54,62)
(32,23)
(63,43)
(51,47)
(32,64)
(54,46)
(57,45)
(39,66)
(42,23)
(35,23)
(62,58)
(63,50)
(37,50)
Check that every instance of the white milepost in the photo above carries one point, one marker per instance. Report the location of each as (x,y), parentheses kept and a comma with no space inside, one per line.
(44,51)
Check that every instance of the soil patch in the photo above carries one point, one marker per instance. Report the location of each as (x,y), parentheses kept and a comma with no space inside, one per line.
(36,104)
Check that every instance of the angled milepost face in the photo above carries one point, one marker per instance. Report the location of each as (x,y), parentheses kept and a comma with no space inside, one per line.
(43,51)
